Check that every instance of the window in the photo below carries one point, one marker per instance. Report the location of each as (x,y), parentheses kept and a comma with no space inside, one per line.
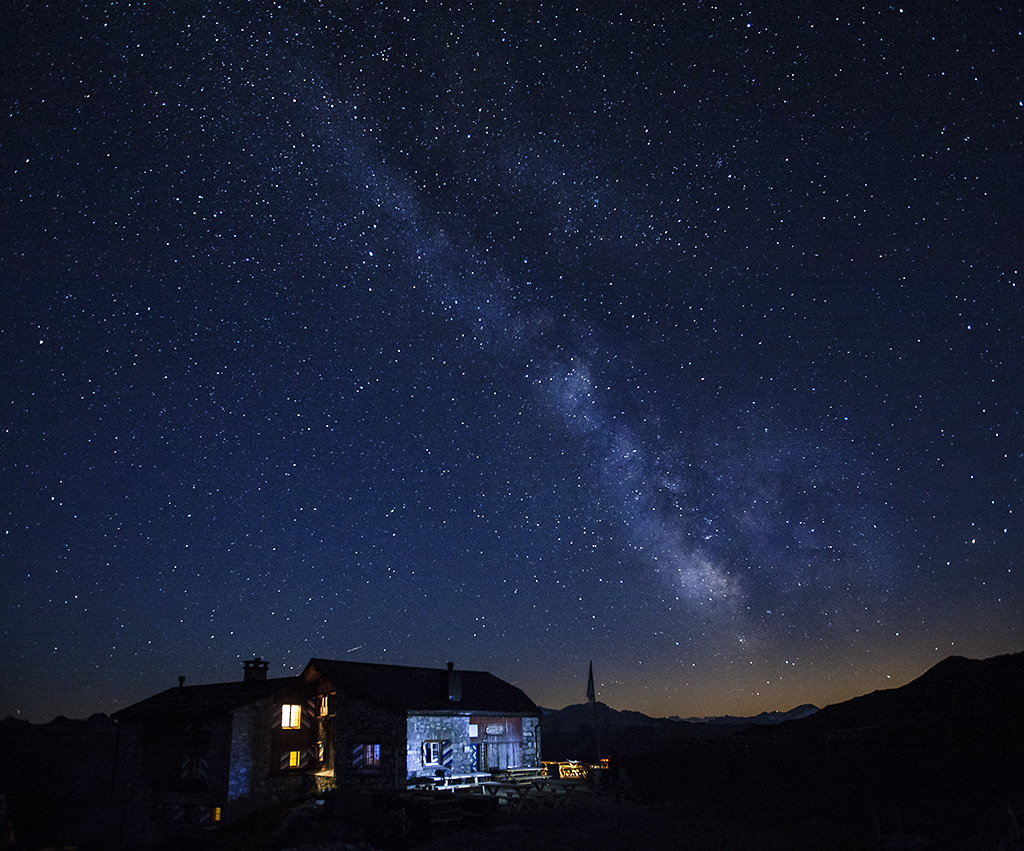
(291,716)
(324,705)
(432,753)
(320,751)
(215,814)
(294,759)
(366,756)
(193,767)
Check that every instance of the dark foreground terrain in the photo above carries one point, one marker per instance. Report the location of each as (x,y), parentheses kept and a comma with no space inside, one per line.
(937,764)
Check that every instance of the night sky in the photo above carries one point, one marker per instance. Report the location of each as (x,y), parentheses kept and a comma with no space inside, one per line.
(683,337)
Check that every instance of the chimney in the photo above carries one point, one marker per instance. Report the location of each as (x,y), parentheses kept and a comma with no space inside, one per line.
(454,684)
(255,669)
(181,682)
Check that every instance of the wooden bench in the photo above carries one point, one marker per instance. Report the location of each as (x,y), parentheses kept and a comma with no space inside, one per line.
(517,775)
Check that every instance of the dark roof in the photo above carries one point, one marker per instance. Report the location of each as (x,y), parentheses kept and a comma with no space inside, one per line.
(423,689)
(212,698)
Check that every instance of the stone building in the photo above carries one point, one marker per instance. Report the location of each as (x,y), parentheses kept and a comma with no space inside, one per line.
(382,725)
(194,756)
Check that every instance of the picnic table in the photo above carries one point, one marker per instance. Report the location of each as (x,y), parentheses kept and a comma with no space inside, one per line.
(562,792)
(512,789)
(517,775)
(449,782)
(537,792)
(462,781)
(512,795)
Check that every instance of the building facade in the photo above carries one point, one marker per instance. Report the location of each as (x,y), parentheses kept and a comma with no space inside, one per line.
(194,756)
(387,725)
(191,757)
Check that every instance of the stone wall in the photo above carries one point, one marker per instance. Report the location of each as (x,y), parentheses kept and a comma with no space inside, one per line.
(255,779)
(531,742)
(360,723)
(461,754)
(173,771)
(463,736)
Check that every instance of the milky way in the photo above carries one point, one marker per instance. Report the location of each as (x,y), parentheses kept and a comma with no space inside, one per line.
(683,339)
(751,528)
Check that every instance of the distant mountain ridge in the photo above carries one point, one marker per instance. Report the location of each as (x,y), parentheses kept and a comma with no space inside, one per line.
(953,693)
(569,733)
(956,691)
(935,763)
(802,711)
(628,718)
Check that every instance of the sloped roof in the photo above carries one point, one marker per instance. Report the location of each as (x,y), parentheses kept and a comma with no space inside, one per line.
(423,689)
(211,698)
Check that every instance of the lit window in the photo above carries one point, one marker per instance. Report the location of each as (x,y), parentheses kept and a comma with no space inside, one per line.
(294,759)
(323,705)
(215,815)
(291,716)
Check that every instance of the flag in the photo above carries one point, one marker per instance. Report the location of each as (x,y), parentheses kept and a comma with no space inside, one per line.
(591,694)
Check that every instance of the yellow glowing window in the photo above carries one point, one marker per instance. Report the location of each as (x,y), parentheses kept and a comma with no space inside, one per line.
(291,716)
(294,759)
(215,815)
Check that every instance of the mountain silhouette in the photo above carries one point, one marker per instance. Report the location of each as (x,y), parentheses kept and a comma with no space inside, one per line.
(570,733)
(957,692)
(931,764)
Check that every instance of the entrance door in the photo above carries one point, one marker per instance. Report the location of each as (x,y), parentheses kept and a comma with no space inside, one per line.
(501,755)
(501,742)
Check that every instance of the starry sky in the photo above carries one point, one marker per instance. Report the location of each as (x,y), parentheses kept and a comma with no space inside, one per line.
(684,337)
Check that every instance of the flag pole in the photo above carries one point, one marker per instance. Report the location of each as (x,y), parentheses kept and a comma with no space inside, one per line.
(592,699)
